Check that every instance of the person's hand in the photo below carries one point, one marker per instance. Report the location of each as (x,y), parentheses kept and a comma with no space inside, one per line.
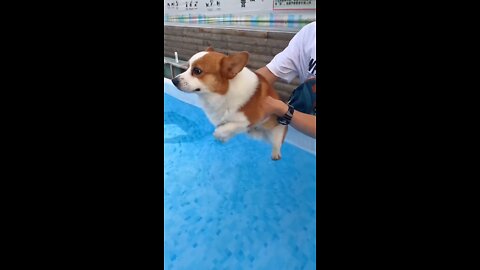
(274,106)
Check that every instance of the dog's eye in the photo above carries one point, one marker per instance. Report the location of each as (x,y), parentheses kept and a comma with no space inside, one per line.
(197,71)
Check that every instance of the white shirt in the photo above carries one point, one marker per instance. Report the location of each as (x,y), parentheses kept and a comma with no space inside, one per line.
(299,59)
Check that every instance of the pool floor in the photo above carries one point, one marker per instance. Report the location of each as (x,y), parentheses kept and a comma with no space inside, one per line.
(229,206)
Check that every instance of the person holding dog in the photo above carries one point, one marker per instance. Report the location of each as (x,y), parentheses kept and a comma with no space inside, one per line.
(298,59)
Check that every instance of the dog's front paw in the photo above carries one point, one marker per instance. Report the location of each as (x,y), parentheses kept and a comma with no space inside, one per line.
(221,136)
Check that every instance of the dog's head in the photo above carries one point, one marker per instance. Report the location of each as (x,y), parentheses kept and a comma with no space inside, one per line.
(209,71)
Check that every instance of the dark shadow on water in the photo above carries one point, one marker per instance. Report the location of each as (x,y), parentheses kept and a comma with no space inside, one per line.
(193,130)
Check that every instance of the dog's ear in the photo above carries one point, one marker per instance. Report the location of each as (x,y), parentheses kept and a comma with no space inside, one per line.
(209,49)
(233,64)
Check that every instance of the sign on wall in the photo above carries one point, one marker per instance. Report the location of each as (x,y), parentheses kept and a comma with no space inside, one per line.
(294,5)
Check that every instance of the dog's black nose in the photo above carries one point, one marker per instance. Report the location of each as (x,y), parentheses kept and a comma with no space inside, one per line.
(175,81)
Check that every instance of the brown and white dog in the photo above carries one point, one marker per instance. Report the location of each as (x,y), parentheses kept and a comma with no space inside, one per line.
(232,96)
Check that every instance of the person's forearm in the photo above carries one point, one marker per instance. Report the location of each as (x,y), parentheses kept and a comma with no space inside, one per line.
(305,123)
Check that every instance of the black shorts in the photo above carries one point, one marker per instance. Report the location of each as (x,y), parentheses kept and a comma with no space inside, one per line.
(304,97)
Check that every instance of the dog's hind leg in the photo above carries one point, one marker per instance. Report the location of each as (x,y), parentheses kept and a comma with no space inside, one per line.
(276,137)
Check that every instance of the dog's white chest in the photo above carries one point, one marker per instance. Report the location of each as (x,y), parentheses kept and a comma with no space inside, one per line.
(214,108)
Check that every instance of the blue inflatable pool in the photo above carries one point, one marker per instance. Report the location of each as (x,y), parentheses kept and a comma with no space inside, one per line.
(229,206)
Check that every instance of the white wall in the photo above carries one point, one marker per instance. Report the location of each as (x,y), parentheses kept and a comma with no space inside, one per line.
(235,7)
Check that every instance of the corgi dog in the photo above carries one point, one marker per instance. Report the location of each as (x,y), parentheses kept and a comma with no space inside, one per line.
(231,96)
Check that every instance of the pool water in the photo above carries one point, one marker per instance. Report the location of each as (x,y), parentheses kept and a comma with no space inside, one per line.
(228,205)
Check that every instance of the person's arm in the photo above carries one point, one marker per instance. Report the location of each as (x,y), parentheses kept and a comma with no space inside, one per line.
(303,122)
(267,74)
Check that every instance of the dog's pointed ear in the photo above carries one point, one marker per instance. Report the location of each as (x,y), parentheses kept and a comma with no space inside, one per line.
(233,64)
(209,49)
